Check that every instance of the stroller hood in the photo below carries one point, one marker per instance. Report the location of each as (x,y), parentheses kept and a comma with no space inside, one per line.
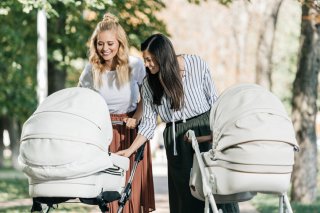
(253,145)
(67,136)
(248,112)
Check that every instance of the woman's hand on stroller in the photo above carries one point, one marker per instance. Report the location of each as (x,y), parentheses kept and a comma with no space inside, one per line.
(131,123)
(200,139)
(186,138)
(125,153)
(138,141)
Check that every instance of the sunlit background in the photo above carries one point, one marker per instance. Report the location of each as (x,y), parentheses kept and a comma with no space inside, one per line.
(255,41)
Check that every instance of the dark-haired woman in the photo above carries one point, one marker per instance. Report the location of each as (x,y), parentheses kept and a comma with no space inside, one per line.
(181,91)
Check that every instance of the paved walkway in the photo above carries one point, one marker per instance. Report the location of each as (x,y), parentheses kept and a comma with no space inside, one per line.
(161,186)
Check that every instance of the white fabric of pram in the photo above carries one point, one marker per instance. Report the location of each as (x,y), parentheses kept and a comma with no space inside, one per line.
(89,186)
(253,144)
(65,143)
(249,112)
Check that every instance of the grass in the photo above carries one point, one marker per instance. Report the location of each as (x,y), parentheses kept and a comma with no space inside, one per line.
(266,203)
(62,208)
(12,189)
(14,186)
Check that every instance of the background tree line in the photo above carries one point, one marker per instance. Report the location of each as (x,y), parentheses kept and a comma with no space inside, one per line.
(69,25)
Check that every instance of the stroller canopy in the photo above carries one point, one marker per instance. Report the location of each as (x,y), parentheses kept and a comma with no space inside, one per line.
(67,136)
(248,112)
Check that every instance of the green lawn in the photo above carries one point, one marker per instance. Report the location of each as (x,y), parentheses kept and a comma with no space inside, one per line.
(67,208)
(12,189)
(14,186)
(265,203)
(269,203)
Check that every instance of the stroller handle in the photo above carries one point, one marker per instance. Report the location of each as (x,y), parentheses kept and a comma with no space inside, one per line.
(192,136)
(139,155)
(127,190)
(206,188)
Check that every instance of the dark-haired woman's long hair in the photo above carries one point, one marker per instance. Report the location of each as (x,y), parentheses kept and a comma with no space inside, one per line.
(168,79)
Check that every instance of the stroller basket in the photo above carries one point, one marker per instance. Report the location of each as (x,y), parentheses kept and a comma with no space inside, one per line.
(64,151)
(252,149)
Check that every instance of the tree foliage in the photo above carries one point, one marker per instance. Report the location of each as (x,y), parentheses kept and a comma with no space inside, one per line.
(224,2)
(70,24)
(17,60)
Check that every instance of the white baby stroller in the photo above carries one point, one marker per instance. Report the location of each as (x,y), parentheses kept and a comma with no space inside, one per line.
(252,151)
(64,152)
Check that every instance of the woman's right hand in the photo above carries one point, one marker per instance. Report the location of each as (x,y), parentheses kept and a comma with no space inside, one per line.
(125,153)
(138,141)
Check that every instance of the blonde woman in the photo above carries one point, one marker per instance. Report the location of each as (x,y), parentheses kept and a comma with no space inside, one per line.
(118,77)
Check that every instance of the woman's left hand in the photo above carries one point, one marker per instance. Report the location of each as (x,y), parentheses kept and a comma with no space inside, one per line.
(131,123)
(200,139)
(186,138)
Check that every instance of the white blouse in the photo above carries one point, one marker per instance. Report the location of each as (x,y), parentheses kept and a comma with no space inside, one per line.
(119,99)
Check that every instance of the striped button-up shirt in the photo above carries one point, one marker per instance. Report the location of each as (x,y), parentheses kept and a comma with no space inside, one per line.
(199,95)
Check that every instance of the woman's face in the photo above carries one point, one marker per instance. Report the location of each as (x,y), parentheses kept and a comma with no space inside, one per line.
(107,45)
(150,62)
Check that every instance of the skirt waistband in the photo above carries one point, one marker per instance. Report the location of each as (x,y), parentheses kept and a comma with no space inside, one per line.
(120,117)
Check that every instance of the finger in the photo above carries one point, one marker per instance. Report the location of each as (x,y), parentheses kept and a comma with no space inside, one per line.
(128,121)
(130,124)
(131,127)
(120,153)
(125,120)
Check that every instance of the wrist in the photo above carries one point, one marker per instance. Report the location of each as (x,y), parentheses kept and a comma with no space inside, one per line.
(130,151)
(136,118)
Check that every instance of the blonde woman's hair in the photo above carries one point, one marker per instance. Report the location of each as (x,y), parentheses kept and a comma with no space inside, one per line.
(121,60)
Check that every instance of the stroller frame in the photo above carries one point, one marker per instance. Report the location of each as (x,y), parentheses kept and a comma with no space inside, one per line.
(284,204)
(102,200)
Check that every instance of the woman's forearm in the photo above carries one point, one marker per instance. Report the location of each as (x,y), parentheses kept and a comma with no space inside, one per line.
(140,139)
(138,114)
(200,139)
(205,138)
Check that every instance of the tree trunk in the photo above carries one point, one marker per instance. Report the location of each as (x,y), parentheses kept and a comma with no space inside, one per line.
(42,53)
(240,18)
(14,134)
(1,142)
(57,78)
(57,73)
(304,109)
(265,44)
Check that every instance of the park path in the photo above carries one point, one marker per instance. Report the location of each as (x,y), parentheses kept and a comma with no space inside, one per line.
(160,184)
(159,168)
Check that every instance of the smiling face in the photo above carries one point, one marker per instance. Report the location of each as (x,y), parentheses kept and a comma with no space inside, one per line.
(150,62)
(107,45)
